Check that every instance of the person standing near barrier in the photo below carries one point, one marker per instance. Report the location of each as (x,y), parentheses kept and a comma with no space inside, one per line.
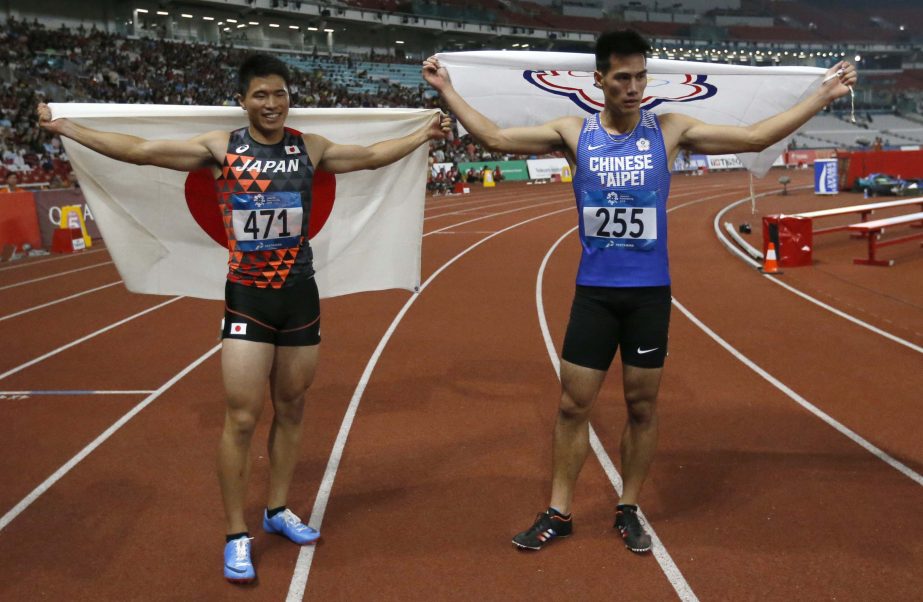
(623,157)
(271,330)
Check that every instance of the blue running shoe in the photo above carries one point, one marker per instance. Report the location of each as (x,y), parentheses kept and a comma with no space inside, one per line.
(288,524)
(237,565)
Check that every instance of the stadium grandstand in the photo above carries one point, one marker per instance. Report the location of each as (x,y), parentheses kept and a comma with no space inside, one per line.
(366,53)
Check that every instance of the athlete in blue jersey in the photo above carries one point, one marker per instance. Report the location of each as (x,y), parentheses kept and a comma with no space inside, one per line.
(272,314)
(622,158)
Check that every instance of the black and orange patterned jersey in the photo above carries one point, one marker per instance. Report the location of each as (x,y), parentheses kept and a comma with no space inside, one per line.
(265,196)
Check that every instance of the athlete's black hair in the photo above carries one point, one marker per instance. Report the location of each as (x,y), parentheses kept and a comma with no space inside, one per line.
(260,65)
(621,42)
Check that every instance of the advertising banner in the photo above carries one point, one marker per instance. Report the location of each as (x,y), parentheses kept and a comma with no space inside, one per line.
(511,170)
(826,179)
(543,169)
(48,205)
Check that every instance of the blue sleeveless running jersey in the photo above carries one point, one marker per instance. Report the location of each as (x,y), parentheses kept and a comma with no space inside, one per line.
(621,186)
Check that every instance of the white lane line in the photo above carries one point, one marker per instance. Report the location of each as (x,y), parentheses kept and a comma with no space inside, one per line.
(483,217)
(465,203)
(669,568)
(42,358)
(74,392)
(478,208)
(853,436)
(306,555)
(25,282)
(61,300)
(56,476)
(775,280)
(30,264)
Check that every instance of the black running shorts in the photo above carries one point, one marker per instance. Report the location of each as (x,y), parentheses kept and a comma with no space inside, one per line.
(602,319)
(286,317)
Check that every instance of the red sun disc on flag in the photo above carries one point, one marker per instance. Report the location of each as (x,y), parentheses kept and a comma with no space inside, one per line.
(202,200)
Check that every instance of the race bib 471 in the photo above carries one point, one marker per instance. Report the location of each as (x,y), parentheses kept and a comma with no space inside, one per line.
(613,218)
(267,221)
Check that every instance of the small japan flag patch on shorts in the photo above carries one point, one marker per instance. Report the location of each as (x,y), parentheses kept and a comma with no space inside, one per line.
(238,328)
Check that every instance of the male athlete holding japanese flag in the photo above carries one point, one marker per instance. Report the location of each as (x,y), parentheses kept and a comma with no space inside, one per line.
(263,174)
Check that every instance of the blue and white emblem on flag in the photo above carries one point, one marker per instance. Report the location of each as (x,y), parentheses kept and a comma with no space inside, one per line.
(579,87)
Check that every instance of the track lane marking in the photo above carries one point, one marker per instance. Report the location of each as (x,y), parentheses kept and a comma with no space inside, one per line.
(74,271)
(49,260)
(858,322)
(61,300)
(86,451)
(659,550)
(54,352)
(306,555)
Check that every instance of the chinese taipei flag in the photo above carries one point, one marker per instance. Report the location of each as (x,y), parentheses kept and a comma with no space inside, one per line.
(164,230)
(515,88)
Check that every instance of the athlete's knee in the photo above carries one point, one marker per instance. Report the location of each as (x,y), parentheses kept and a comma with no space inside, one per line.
(289,410)
(241,424)
(574,407)
(641,410)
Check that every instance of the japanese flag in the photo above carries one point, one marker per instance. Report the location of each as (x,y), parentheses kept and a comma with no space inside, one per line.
(159,224)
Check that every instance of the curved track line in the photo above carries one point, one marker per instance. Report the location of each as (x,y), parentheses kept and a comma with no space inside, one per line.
(24,282)
(306,555)
(669,568)
(482,217)
(485,203)
(61,300)
(733,248)
(853,436)
(56,476)
(41,358)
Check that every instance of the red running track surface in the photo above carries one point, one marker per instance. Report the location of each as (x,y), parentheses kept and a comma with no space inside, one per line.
(753,496)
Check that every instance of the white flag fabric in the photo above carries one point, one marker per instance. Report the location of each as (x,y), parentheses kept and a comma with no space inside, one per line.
(152,219)
(515,88)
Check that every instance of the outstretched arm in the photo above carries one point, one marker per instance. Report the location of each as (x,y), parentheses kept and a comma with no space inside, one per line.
(342,158)
(697,136)
(186,155)
(539,139)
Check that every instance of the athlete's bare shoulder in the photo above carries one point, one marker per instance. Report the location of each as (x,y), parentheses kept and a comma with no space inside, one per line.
(216,141)
(568,125)
(673,125)
(568,128)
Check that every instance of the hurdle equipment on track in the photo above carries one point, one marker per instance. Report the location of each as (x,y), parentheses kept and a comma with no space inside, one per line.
(72,234)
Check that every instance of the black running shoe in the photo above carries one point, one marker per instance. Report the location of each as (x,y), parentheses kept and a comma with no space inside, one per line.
(629,525)
(548,525)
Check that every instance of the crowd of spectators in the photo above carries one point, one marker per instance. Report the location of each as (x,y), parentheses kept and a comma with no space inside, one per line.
(88,65)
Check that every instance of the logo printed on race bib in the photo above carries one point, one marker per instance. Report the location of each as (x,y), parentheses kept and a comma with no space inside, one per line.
(267,222)
(615,218)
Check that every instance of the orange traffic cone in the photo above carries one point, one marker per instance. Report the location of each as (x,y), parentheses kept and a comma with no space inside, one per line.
(770,264)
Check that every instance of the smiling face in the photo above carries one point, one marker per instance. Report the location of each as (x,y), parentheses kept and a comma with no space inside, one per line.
(266,102)
(623,84)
